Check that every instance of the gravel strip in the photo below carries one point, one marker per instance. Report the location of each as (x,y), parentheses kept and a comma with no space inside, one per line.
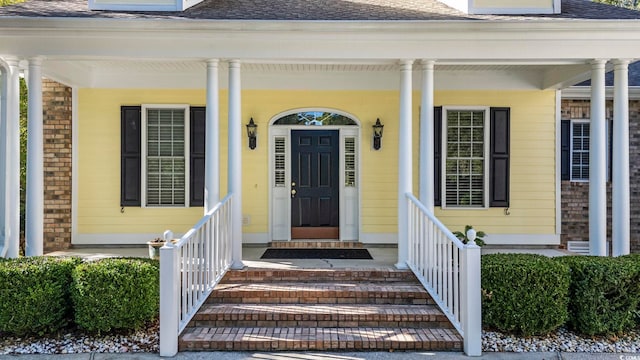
(561,341)
(147,341)
(140,341)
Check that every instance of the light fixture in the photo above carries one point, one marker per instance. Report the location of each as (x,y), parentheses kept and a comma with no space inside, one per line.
(377,135)
(251,133)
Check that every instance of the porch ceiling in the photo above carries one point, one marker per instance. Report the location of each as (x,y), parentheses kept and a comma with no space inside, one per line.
(338,74)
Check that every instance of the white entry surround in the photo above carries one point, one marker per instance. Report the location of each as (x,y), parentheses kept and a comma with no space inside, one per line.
(280,190)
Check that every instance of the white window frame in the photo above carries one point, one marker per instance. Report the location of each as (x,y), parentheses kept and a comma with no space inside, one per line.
(608,128)
(443,171)
(143,170)
(571,148)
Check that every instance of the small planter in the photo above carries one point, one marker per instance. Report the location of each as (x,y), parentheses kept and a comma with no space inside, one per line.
(154,248)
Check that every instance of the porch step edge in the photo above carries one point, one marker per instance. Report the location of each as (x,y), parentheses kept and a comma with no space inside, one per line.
(320,293)
(314,315)
(295,338)
(315,244)
(254,275)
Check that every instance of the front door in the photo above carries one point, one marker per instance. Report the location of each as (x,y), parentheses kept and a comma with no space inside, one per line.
(314,184)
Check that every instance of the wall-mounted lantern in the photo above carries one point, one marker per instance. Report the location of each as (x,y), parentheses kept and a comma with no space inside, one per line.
(377,135)
(251,133)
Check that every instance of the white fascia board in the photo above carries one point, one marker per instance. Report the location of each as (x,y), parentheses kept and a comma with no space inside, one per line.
(584,93)
(478,40)
(132,7)
(511,11)
(119,5)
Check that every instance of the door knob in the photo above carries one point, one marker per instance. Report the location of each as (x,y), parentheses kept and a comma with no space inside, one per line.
(293,183)
(293,191)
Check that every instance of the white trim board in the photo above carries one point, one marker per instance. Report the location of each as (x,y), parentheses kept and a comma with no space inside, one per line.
(522,239)
(263,238)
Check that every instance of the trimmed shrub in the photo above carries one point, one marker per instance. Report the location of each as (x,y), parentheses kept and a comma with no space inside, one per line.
(524,293)
(116,293)
(604,293)
(34,294)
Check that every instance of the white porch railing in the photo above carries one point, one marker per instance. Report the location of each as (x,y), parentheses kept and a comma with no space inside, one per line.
(449,270)
(190,269)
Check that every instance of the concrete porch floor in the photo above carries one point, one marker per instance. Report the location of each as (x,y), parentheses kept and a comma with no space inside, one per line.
(384,257)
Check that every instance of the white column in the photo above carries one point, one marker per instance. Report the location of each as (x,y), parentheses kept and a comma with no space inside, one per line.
(598,162)
(235,162)
(169,299)
(405,175)
(427,136)
(4,80)
(212,139)
(34,222)
(620,204)
(12,161)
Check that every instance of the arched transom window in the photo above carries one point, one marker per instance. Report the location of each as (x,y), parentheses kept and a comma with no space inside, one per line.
(315,118)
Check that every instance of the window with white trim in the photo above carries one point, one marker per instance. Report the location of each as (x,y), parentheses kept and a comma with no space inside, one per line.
(580,150)
(579,147)
(165,154)
(350,162)
(465,148)
(279,155)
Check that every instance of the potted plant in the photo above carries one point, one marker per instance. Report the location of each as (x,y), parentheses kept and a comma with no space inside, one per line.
(469,232)
(154,247)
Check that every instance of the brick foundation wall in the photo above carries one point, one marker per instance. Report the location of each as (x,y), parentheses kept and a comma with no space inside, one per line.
(56,101)
(575,195)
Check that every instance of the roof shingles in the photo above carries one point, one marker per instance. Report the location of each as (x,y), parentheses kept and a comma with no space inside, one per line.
(310,10)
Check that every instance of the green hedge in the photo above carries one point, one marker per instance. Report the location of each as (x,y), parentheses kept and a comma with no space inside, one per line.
(524,293)
(34,294)
(116,293)
(604,293)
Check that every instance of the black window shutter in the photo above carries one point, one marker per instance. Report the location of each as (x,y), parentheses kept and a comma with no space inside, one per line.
(437,152)
(196,155)
(565,150)
(499,158)
(130,155)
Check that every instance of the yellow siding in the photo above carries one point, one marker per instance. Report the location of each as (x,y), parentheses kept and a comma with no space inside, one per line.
(532,186)
(532,158)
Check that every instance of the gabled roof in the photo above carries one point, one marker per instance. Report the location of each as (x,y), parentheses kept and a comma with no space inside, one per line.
(311,10)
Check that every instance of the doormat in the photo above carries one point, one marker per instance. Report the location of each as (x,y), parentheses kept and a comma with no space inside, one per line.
(354,254)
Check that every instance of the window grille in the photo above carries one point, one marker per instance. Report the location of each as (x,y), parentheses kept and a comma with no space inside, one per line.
(580,150)
(165,185)
(465,158)
(279,153)
(350,162)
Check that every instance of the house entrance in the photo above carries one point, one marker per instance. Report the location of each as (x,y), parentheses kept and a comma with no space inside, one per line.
(315,204)
(314,177)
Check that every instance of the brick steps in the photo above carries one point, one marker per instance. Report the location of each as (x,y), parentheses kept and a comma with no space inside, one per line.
(277,339)
(315,244)
(337,310)
(320,293)
(303,315)
(319,275)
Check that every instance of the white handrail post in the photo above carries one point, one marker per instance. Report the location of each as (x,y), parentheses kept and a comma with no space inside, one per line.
(169,299)
(471,301)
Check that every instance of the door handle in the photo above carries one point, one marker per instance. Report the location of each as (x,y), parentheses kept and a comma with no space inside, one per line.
(293,192)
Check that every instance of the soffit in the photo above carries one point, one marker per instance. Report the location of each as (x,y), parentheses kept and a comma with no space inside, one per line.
(200,66)
(381,74)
